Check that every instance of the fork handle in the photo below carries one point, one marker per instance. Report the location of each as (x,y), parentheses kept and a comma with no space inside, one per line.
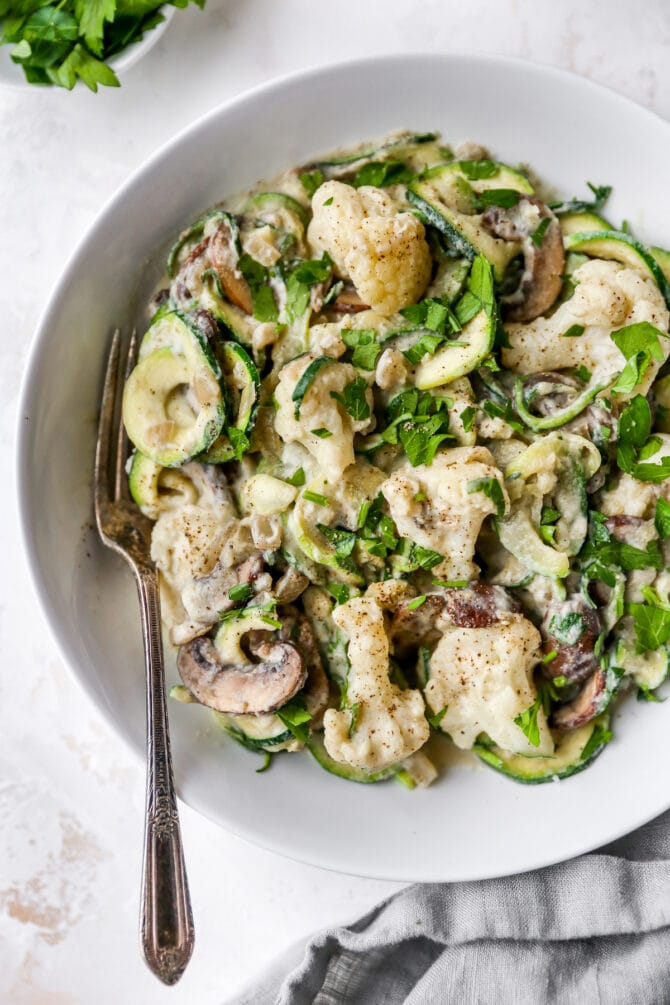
(166,920)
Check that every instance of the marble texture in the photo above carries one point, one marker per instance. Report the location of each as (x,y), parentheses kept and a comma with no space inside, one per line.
(71,795)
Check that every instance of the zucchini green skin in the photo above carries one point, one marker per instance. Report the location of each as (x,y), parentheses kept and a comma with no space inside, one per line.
(176,330)
(580,223)
(542,423)
(317,749)
(145,401)
(236,361)
(621,247)
(565,763)
(268,201)
(464,232)
(191,233)
(453,361)
(259,744)
(239,324)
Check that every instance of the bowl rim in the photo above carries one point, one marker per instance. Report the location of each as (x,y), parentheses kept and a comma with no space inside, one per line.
(26,394)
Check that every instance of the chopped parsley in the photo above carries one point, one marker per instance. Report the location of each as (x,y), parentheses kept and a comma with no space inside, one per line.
(355,711)
(633,441)
(343,541)
(381,173)
(311,180)
(262,298)
(321,432)
(492,490)
(434,315)
(574,331)
(297,479)
(598,738)
(436,719)
(242,591)
(467,417)
(295,717)
(419,421)
(567,629)
(638,343)
(537,237)
(505,197)
(364,346)
(416,602)
(354,399)
(601,194)
(315,497)
(662,518)
(339,592)
(300,281)
(474,170)
(651,622)
(527,723)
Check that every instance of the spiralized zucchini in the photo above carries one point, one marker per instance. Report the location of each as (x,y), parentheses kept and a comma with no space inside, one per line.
(403,427)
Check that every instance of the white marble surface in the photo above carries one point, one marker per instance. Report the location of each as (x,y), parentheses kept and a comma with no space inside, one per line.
(71,796)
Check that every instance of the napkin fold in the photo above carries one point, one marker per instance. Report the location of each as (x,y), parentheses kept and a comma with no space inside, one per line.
(595,929)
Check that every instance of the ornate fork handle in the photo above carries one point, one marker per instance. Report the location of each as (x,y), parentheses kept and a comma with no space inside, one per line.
(166,921)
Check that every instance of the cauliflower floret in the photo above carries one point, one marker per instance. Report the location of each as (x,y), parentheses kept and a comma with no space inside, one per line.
(319,410)
(634,498)
(186,543)
(446,518)
(608,296)
(484,679)
(383,251)
(390,723)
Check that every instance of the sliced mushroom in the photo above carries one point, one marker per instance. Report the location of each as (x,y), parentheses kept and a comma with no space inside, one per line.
(574,660)
(587,705)
(544,261)
(349,302)
(242,689)
(479,605)
(297,629)
(187,284)
(290,585)
(225,259)
(206,597)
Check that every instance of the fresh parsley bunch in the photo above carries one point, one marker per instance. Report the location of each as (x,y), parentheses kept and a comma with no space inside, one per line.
(60,43)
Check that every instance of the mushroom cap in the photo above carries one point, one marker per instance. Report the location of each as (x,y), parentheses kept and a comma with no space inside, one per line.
(586,706)
(478,605)
(544,263)
(241,689)
(575,661)
(224,259)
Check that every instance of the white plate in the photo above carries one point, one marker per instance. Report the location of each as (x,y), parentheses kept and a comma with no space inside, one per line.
(472,823)
(12,76)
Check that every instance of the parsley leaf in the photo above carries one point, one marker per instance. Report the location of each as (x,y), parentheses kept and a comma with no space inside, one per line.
(306,379)
(420,422)
(242,591)
(295,717)
(321,432)
(598,738)
(634,428)
(353,399)
(426,345)
(433,315)
(300,281)
(315,497)
(311,180)
(567,629)
(297,479)
(505,197)
(638,343)
(574,331)
(474,170)
(601,195)
(262,299)
(492,490)
(339,592)
(366,349)
(467,417)
(344,541)
(537,237)
(527,723)
(662,518)
(435,720)
(651,624)
(381,173)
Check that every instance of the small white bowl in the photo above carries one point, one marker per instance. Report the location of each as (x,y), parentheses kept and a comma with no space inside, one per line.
(471,824)
(12,76)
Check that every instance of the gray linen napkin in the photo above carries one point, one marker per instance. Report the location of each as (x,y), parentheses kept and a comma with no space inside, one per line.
(596,929)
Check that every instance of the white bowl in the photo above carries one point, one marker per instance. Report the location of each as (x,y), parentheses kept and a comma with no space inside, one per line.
(472,823)
(12,76)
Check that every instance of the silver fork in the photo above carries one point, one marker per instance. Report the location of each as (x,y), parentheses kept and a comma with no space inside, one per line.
(166,921)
